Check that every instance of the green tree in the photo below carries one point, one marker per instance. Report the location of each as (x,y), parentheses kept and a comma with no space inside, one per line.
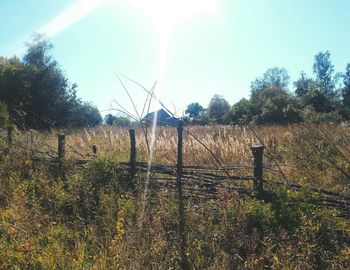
(194,110)
(275,77)
(323,69)
(217,109)
(319,101)
(241,113)
(270,92)
(346,87)
(87,115)
(281,110)
(14,86)
(53,98)
(38,94)
(122,121)
(304,85)
(109,119)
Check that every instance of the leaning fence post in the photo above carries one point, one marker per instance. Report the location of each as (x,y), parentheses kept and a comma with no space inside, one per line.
(182,221)
(61,153)
(132,157)
(258,151)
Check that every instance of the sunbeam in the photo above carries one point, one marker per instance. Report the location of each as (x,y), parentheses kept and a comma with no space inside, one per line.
(70,16)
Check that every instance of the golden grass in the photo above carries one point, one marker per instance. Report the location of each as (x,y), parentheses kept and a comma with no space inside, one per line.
(302,152)
(230,145)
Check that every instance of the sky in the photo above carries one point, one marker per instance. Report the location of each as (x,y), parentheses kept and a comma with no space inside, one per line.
(193,49)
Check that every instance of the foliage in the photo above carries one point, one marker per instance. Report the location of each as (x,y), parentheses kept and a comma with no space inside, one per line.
(271,92)
(324,71)
(85,114)
(217,109)
(122,121)
(346,88)
(304,85)
(241,112)
(312,116)
(38,94)
(318,101)
(194,110)
(320,152)
(109,119)
(92,224)
(273,78)
(280,109)
(92,220)
(119,121)
(316,98)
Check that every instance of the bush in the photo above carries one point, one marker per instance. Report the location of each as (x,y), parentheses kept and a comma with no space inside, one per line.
(312,116)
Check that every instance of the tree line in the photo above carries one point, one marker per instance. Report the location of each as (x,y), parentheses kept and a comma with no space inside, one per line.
(35,92)
(324,97)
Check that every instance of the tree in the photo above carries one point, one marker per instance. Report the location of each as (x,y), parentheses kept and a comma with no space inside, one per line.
(122,121)
(52,96)
(281,110)
(109,119)
(346,88)
(240,113)
(303,85)
(194,110)
(318,100)
(324,72)
(217,109)
(273,78)
(88,115)
(270,92)
(38,94)
(14,86)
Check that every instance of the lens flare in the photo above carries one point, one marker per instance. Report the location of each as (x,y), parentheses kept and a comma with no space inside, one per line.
(71,15)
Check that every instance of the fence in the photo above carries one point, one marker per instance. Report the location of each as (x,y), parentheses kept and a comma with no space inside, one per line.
(187,181)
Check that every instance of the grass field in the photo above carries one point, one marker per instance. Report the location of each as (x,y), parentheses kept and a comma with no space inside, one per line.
(89,221)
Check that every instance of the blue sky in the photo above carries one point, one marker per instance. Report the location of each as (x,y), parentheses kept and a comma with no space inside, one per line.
(194,48)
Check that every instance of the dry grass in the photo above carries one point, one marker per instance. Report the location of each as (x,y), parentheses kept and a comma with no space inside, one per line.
(304,153)
(91,222)
(231,145)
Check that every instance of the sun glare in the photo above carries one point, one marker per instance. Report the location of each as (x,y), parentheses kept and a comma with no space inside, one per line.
(166,15)
(70,16)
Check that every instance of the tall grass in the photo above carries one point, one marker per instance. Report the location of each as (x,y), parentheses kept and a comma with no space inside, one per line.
(90,220)
(318,155)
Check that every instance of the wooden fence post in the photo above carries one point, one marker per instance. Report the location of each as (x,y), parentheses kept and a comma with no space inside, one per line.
(94,149)
(258,151)
(132,157)
(182,221)
(61,154)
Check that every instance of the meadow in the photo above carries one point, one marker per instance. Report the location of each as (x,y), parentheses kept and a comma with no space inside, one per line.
(89,220)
